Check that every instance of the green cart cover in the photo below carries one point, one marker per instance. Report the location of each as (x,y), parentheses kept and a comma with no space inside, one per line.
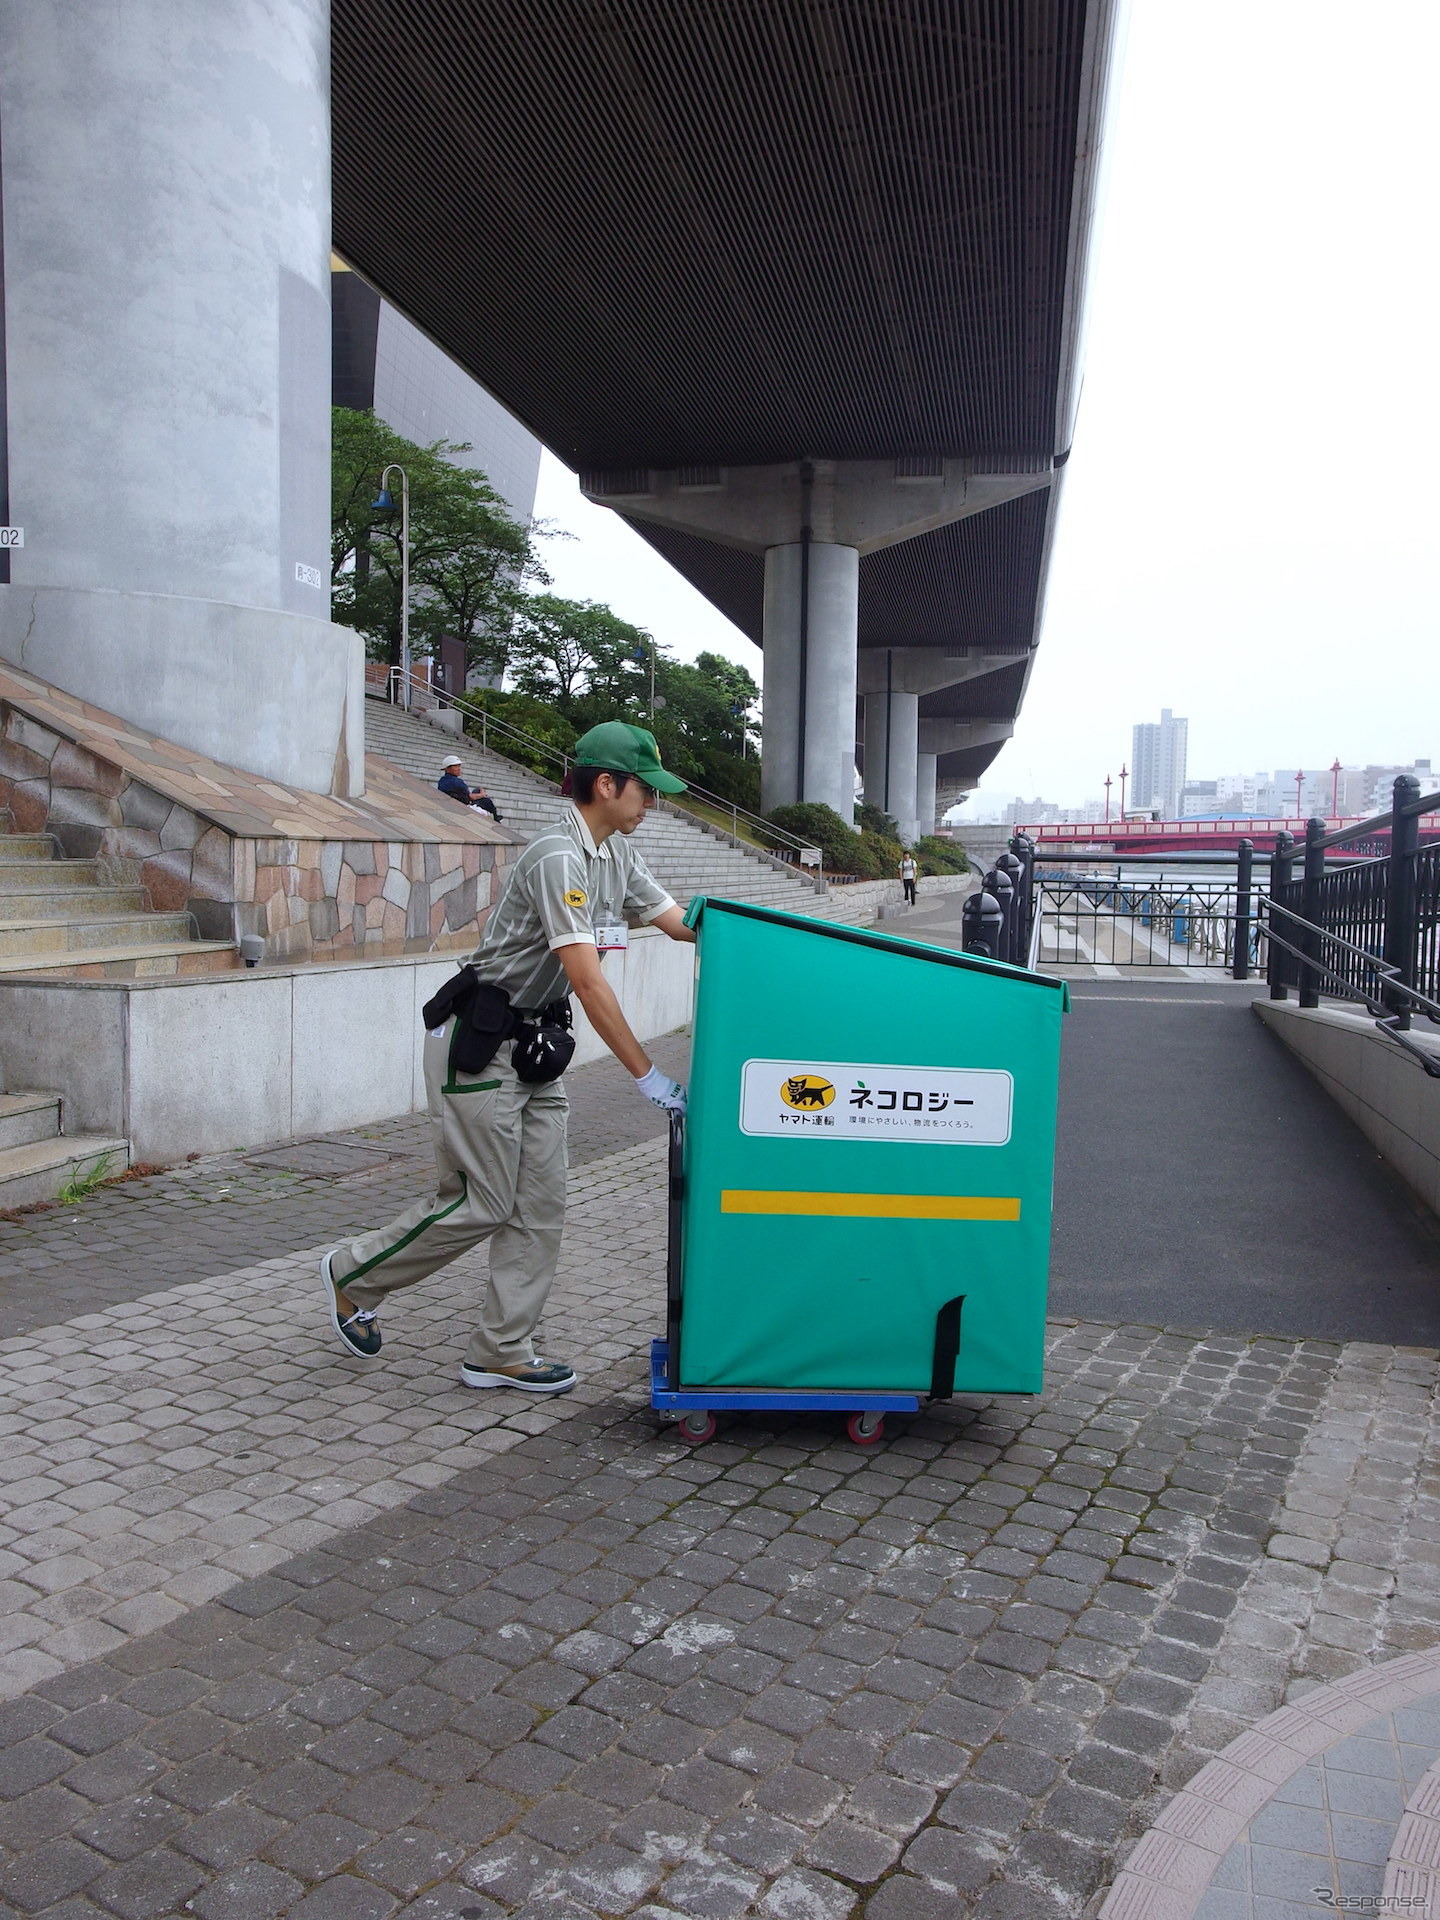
(868,1164)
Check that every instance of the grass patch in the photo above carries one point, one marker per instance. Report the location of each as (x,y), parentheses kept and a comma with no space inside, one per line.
(85,1179)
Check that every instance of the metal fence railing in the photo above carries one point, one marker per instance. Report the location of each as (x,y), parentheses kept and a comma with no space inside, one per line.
(1168,921)
(1369,931)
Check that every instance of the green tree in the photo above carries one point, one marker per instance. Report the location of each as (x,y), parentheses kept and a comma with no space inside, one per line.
(469,558)
(703,723)
(580,657)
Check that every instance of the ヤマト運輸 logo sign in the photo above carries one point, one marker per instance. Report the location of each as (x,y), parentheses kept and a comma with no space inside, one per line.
(807,1092)
(829,1100)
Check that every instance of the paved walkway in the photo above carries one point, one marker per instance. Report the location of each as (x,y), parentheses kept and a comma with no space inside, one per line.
(285,1635)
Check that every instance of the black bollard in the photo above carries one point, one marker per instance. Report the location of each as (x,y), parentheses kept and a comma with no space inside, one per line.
(1001,888)
(982,921)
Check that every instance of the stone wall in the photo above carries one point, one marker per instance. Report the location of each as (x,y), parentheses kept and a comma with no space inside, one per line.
(269,1054)
(309,898)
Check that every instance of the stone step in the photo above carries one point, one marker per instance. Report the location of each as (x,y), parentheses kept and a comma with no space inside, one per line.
(71,903)
(139,959)
(72,935)
(687,856)
(26,846)
(28,1117)
(42,1168)
(21,876)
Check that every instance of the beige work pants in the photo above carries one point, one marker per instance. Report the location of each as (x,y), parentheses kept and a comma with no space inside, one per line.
(500,1161)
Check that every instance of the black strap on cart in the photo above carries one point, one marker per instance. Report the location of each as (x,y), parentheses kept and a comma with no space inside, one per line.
(676,1222)
(947,1349)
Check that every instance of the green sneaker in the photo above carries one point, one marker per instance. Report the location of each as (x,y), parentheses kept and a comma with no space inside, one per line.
(358,1332)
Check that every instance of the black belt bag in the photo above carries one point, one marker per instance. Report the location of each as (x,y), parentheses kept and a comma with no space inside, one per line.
(484,1019)
(545,1046)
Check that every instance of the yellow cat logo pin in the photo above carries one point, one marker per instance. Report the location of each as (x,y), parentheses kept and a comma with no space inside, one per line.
(575,896)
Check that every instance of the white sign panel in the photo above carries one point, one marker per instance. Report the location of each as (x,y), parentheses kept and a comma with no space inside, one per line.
(12,536)
(308,576)
(834,1100)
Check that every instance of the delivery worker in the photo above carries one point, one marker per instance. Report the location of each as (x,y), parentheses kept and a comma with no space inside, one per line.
(500,1134)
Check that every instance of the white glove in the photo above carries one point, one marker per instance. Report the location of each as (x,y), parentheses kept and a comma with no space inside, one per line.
(663,1092)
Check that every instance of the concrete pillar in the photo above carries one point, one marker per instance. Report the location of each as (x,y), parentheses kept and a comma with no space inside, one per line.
(166,288)
(925,782)
(809,725)
(892,723)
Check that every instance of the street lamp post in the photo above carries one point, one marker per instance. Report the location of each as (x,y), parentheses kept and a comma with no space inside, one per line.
(1107,799)
(1299,782)
(1124,776)
(1335,789)
(384,502)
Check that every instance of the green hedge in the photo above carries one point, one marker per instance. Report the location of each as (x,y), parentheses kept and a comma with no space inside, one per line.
(873,855)
(940,856)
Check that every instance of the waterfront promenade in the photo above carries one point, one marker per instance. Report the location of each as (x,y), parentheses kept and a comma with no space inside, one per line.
(282,1636)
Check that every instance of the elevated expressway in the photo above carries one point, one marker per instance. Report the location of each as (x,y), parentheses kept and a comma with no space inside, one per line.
(797,286)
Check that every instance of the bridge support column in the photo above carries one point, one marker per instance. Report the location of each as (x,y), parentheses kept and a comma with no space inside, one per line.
(925,784)
(833,511)
(892,723)
(812,609)
(167,369)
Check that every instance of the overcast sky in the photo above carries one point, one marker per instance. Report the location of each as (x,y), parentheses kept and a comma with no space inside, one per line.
(1249,528)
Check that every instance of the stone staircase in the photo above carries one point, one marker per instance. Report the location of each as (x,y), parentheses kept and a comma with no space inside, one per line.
(38,1161)
(64,919)
(685,854)
(59,913)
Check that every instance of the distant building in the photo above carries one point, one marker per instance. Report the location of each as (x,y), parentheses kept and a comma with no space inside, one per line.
(1199,797)
(380,360)
(1157,764)
(1379,783)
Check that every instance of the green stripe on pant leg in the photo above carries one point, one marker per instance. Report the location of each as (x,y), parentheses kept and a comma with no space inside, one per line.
(430,1220)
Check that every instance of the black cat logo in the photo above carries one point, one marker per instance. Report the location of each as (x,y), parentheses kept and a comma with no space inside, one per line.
(807,1092)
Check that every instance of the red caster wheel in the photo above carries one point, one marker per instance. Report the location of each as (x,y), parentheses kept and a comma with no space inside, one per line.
(698,1426)
(865,1428)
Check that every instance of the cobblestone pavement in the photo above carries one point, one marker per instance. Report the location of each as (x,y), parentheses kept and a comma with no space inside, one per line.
(290,1636)
(230,1210)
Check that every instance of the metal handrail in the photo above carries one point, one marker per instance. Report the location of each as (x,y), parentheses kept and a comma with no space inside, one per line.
(1386,1017)
(489,723)
(1032,958)
(1427,803)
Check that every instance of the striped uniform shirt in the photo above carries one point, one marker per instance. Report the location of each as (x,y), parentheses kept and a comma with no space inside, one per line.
(560,889)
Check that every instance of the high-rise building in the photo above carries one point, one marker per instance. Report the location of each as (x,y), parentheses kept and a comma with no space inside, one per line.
(380,360)
(1157,763)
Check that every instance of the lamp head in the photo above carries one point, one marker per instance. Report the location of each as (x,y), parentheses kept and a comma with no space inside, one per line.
(383,502)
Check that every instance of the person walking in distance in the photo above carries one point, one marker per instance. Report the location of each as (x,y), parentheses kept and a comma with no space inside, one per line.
(909,874)
(499,1128)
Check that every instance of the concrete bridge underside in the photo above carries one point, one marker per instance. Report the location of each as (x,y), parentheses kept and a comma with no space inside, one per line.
(796,288)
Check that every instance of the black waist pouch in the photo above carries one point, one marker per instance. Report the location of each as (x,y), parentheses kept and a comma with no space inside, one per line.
(484,1019)
(545,1047)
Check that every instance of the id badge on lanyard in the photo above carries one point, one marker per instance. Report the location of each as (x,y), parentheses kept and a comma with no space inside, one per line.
(613,939)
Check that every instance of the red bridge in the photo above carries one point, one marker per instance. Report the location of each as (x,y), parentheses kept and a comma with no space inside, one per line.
(1199,836)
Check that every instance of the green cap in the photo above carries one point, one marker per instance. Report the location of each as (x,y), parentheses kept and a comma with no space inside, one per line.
(621,748)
